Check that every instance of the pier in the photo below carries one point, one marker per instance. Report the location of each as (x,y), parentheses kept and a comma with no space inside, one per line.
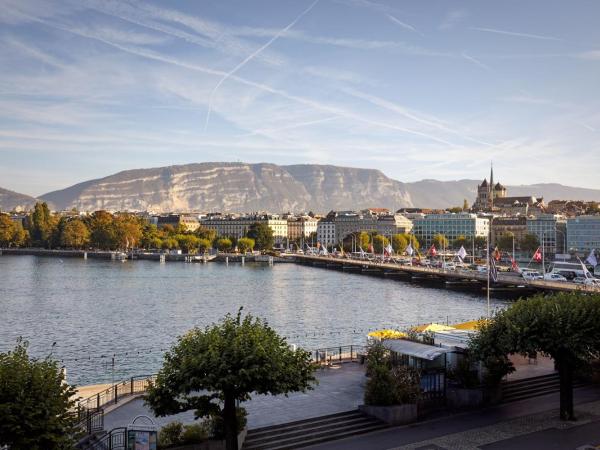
(510,282)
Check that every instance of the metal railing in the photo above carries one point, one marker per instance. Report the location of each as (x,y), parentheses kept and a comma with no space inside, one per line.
(332,355)
(116,439)
(112,395)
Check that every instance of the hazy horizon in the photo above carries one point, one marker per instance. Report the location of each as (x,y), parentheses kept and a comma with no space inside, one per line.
(418,90)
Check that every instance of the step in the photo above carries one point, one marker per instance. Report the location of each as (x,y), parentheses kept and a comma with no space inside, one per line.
(553,375)
(525,387)
(314,431)
(311,420)
(313,439)
(535,393)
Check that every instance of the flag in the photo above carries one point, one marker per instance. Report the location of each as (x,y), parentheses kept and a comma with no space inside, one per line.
(591,259)
(493,270)
(537,256)
(371,250)
(388,250)
(409,250)
(362,252)
(462,253)
(497,254)
(325,252)
(432,251)
(514,265)
(586,272)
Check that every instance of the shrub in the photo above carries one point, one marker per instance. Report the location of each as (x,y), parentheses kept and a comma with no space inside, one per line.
(377,355)
(170,434)
(195,433)
(380,388)
(463,374)
(407,382)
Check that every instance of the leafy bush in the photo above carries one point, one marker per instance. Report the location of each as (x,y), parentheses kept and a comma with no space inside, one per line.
(194,434)
(407,384)
(377,355)
(463,374)
(380,388)
(170,434)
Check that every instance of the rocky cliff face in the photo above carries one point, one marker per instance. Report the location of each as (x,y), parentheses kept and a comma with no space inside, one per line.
(240,187)
(10,201)
(235,187)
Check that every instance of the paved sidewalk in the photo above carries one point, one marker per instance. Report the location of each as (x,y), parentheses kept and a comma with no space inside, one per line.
(340,389)
(502,427)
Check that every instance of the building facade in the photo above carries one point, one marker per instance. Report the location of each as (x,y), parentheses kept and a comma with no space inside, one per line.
(238,226)
(451,226)
(502,226)
(487,193)
(301,227)
(188,221)
(326,233)
(550,231)
(583,234)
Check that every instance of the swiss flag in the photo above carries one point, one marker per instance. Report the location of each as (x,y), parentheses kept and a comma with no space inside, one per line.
(537,256)
(432,250)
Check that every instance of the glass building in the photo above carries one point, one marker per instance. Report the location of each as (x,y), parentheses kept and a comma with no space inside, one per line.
(450,225)
(583,234)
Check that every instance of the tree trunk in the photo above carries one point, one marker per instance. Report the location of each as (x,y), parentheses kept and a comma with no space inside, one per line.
(230,422)
(565,372)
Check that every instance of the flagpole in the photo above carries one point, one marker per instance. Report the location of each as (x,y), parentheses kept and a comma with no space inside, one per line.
(487,243)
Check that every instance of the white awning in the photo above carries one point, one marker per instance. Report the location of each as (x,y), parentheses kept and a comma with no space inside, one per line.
(416,349)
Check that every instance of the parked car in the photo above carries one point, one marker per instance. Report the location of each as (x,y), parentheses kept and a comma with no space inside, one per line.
(579,280)
(482,269)
(554,277)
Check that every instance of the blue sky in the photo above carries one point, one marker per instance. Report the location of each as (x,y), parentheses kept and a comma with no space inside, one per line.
(422,89)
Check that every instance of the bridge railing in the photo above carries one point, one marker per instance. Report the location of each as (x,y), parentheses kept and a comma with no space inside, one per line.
(340,354)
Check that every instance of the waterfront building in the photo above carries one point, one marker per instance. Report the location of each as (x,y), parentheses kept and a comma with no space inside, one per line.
(301,227)
(550,229)
(450,225)
(583,234)
(376,220)
(188,221)
(326,232)
(501,226)
(237,226)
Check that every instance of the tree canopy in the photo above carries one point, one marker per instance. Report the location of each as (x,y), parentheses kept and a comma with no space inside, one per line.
(245,244)
(564,326)
(529,243)
(229,360)
(36,404)
(440,241)
(380,242)
(262,235)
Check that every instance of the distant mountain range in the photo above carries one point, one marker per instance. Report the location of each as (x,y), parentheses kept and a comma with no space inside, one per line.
(240,187)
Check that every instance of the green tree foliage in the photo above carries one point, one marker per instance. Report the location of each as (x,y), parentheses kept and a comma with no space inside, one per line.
(229,360)
(75,234)
(36,405)
(206,233)
(41,224)
(529,243)
(413,241)
(128,231)
(505,242)
(169,243)
(480,242)
(188,243)
(151,236)
(245,244)
(399,243)
(204,245)
(364,239)
(461,241)
(563,326)
(380,242)
(12,233)
(440,241)
(102,231)
(455,209)
(224,244)
(262,235)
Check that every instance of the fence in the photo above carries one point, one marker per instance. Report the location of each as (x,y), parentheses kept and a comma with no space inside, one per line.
(116,439)
(344,353)
(112,395)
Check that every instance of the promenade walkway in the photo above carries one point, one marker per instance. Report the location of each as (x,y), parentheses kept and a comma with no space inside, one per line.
(528,424)
(340,388)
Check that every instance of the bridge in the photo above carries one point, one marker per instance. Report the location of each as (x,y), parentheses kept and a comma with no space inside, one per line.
(509,282)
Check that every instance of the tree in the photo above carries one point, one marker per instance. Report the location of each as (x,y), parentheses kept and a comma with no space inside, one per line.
(204,245)
(262,235)
(102,230)
(505,241)
(440,241)
(461,241)
(229,360)
(413,241)
(224,244)
(128,231)
(245,244)
(364,239)
(36,404)
(7,230)
(455,209)
(169,243)
(188,243)
(380,242)
(206,233)
(564,326)
(150,236)
(399,243)
(530,243)
(75,234)
(41,224)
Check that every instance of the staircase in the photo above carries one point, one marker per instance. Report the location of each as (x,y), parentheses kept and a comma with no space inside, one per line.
(513,391)
(311,431)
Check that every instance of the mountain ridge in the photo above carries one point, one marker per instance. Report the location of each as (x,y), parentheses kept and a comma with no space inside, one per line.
(243,187)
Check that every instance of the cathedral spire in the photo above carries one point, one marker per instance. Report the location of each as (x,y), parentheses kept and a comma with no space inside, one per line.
(492,175)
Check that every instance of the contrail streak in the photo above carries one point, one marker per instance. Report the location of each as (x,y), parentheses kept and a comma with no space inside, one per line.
(252,55)
(514,33)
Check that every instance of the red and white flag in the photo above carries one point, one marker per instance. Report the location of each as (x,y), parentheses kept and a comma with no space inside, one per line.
(432,250)
(537,256)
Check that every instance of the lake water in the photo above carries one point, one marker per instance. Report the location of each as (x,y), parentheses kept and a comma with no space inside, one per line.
(99,310)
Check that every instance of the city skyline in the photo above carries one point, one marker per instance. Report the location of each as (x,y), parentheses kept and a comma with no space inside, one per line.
(417,91)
